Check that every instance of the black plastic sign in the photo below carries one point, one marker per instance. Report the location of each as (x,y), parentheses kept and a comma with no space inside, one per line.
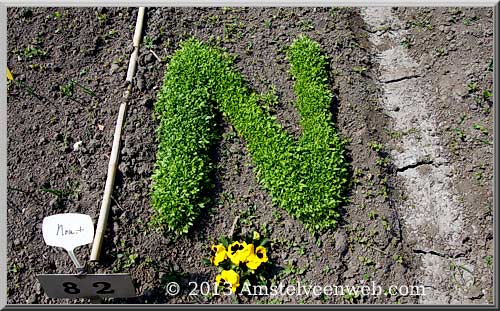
(88,285)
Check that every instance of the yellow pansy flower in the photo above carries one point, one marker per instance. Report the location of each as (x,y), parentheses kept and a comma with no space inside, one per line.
(239,252)
(228,278)
(257,258)
(218,254)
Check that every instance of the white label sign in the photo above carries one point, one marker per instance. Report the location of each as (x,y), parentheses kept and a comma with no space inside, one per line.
(68,230)
(88,285)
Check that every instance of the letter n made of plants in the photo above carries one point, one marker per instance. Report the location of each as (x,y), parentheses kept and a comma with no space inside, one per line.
(306,177)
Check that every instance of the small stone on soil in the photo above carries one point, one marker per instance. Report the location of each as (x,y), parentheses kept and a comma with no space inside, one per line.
(123,168)
(114,68)
(141,85)
(31,300)
(148,58)
(77,145)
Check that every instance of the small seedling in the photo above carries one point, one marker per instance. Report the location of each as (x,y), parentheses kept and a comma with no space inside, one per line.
(375,146)
(398,258)
(480,128)
(472,87)
(490,66)
(103,18)
(148,42)
(57,15)
(68,89)
(306,25)
(407,43)
(487,95)
(14,268)
(460,133)
(441,52)
(384,161)
(488,260)
(351,296)
(385,224)
(213,19)
(32,51)
(359,69)
(366,261)
(372,214)
(333,11)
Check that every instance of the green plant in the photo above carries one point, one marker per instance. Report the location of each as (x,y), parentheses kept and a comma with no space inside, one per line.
(102,18)
(213,19)
(307,178)
(306,25)
(372,215)
(488,260)
(458,274)
(384,161)
(398,258)
(148,42)
(375,146)
(359,69)
(441,52)
(57,15)
(14,268)
(490,66)
(480,128)
(268,23)
(333,11)
(487,95)
(70,191)
(472,87)
(68,89)
(421,23)
(32,52)
(366,261)
(351,296)
(407,43)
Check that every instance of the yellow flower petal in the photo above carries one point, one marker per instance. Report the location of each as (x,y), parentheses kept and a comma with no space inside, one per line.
(261,253)
(218,254)
(256,235)
(9,75)
(239,252)
(253,263)
(255,260)
(228,278)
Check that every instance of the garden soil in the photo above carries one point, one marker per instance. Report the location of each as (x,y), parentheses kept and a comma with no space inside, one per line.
(70,64)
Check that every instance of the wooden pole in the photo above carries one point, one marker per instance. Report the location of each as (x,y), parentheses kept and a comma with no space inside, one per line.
(113,160)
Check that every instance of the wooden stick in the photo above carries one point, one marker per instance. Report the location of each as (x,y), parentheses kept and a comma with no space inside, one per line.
(113,160)
(155,55)
(231,233)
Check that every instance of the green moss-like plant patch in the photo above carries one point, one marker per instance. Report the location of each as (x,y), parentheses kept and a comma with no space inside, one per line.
(308,177)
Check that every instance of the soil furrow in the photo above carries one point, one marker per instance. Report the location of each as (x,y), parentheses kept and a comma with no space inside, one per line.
(433,215)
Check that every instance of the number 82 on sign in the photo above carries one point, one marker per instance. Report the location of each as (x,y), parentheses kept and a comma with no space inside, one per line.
(87,285)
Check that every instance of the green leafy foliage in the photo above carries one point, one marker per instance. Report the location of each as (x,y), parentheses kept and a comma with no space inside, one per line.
(307,177)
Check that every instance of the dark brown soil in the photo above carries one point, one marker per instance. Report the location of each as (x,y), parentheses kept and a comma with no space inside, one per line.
(92,46)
